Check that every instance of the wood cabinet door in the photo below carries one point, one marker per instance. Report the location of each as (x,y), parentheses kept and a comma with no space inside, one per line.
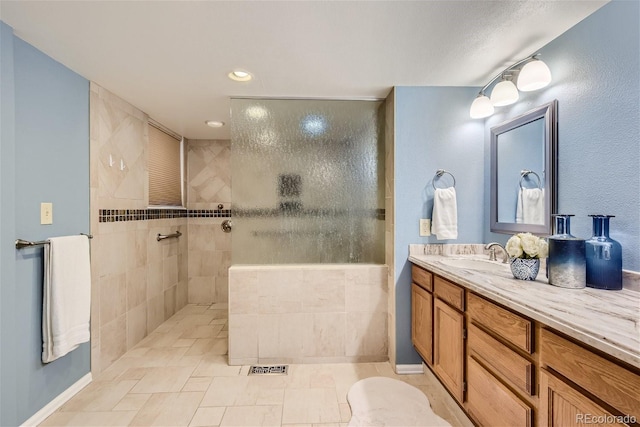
(491,403)
(448,347)
(422,322)
(563,406)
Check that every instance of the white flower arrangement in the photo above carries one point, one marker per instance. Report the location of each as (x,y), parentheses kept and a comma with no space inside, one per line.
(527,246)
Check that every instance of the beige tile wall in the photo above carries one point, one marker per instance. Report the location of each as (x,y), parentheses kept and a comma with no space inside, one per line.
(308,314)
(137,282)
(208,185)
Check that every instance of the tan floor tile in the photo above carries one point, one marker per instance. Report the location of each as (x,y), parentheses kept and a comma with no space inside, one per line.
(201,347)
(203,331)
(262,390)
(206,417)
(163,380)
(89,419)
(197,384)
(252,416)
(188,361)
(215,365)
(168,409)
(312,405)
(132,402)
(184,342)
(224,391)
(193,309)
(99,396)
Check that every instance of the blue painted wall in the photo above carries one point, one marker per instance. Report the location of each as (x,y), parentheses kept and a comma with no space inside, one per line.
(8,355)
(50,147)
(432,131)
(596,79)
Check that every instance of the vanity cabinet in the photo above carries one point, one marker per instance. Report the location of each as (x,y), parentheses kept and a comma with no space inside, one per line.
(505,369)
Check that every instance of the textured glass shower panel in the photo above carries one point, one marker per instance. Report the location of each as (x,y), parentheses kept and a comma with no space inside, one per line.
(307,181)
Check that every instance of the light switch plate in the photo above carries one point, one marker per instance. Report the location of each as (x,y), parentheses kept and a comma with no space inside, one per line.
(46,213)
(425,227)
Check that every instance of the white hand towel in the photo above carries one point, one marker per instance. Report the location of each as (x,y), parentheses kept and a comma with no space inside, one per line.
(66,296)
(444,220)
(530,206)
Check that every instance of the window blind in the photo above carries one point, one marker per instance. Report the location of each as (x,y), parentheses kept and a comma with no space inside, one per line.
(165,175)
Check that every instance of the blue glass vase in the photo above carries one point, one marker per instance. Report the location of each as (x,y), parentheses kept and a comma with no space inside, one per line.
(604,256)
(567,264)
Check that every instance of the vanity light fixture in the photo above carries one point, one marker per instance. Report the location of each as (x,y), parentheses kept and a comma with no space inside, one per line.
(532,76)
(214,123)
(504,93)
(240,76)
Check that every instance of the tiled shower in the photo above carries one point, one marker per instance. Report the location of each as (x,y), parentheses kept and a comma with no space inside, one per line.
(139,282)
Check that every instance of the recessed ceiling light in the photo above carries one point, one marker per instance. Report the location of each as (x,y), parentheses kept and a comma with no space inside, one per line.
(214,123)
(240,76)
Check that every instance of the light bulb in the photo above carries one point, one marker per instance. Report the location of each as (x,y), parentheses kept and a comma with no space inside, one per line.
(481,107)
(504,93)
(534,75)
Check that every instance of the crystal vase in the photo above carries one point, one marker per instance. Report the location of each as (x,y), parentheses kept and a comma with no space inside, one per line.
(567,265)
(604,256)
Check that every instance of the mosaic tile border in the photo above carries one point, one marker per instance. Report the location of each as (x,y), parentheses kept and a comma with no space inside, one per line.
(123,215)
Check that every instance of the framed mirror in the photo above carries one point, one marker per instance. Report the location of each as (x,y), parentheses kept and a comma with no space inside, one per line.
(524,172)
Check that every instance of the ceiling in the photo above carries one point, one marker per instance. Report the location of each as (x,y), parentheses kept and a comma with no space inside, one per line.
(171,58)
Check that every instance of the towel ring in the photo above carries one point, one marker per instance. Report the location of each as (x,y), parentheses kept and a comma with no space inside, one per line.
(438,174)
(525,173)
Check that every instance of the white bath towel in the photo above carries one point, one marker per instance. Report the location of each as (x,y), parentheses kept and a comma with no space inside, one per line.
(444,220)
(530,206)
(66,298)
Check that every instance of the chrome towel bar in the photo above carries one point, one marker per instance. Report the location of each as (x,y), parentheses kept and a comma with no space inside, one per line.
(21,243)
(439,173)
(525,174)
(168,236)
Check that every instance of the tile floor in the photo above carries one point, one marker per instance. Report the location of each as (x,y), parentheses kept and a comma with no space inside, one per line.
(178,376)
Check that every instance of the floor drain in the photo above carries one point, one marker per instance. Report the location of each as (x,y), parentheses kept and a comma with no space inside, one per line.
(268,370)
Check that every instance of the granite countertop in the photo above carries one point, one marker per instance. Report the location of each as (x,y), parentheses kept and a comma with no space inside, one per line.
(606,320)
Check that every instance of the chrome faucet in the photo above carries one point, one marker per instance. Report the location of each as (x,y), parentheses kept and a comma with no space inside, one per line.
(492,255)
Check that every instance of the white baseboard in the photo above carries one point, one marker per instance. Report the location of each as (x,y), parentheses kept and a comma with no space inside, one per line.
(57,402)
(409,369)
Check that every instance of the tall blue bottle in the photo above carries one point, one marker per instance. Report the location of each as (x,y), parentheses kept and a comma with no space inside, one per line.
(604,256)
(566,263)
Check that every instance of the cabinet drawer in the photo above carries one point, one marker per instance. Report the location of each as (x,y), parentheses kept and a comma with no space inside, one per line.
(448,292)
(615,385)
(422,278)
(501,360)
(492,404)
(512,327)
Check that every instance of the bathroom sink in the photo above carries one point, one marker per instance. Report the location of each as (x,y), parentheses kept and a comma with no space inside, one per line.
(475,264)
